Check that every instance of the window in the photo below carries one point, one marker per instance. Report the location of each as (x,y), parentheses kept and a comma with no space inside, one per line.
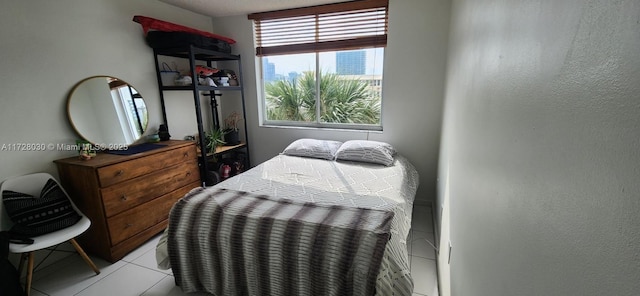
(322,65)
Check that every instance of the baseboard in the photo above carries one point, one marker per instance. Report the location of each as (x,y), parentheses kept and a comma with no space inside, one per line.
(436,229)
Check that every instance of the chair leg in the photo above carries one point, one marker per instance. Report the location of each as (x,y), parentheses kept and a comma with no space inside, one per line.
(29,274)
(84,256)
(23,259)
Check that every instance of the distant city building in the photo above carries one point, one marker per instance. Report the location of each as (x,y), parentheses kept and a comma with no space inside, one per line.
(374,81)
(351,62)
(269,70)
(293,76)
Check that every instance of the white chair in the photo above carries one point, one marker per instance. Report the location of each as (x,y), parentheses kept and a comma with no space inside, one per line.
(32,185)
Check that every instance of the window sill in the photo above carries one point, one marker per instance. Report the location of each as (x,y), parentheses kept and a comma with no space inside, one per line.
(368,129)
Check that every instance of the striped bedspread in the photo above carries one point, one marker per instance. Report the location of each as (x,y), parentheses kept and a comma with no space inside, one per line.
(228,242)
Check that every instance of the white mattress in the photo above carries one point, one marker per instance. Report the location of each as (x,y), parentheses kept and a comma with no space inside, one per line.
(353,184)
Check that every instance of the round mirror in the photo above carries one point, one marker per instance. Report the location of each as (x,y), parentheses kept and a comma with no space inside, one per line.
(107,111)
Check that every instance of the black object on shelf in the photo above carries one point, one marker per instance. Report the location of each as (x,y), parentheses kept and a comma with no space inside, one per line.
(162,39)
(232,137)
(163,133)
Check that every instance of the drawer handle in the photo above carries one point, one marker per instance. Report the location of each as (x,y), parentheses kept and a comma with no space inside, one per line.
(186,154)
(119,173)
(188,174)
(124,197)
(128,225)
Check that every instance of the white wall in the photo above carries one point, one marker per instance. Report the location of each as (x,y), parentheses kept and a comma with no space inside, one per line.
(48,46)
(413,88)
(540,148)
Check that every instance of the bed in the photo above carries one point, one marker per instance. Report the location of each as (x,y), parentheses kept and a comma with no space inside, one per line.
(321,218)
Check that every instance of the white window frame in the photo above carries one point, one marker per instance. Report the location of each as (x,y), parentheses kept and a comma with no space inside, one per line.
(346,8)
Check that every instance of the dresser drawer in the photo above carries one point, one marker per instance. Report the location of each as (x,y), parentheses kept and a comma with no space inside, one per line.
(119,172)
(135,220)
(130,193)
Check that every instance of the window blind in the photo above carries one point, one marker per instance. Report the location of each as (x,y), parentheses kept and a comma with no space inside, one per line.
(341,26)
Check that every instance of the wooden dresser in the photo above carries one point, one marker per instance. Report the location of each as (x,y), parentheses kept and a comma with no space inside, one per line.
(128,197)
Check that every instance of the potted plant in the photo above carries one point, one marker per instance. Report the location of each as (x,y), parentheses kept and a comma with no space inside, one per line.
(231,132)
(213,139)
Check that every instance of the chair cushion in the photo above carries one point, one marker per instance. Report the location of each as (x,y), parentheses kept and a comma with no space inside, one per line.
(34,216)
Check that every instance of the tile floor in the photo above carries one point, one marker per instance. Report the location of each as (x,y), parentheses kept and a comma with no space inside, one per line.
(136,273)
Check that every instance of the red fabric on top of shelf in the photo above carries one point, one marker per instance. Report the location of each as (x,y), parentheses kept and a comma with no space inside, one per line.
(160,25)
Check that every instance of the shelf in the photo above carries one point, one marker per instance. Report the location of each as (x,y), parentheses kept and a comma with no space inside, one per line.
(201,88)
(194,54)
(226,149)
(200,53)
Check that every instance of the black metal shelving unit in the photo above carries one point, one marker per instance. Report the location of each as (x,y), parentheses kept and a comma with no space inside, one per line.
(193,54)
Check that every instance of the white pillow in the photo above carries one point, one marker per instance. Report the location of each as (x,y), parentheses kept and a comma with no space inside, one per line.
(367,151)
(323,149)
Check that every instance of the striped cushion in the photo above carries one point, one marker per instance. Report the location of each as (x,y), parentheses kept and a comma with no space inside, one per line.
(366,151)
(33,216)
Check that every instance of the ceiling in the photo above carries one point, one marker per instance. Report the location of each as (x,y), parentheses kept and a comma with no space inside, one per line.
(220,8)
